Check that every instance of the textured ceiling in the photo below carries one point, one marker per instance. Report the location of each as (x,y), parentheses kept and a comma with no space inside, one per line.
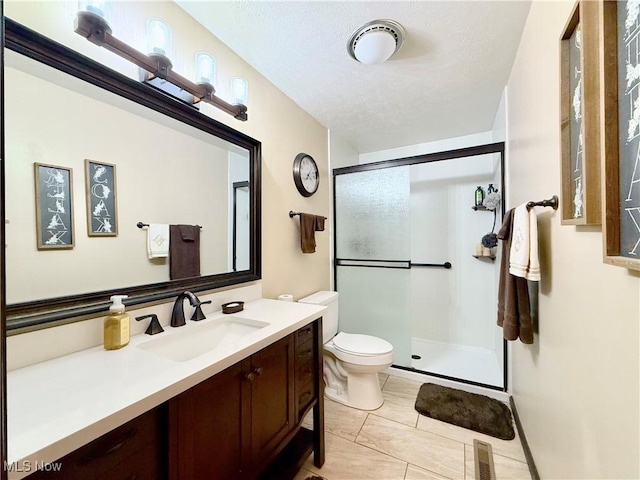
(446,81)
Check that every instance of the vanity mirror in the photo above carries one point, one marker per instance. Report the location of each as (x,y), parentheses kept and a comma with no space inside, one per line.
(174,166)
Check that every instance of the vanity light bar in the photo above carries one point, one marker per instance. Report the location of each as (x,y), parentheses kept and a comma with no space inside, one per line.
(96,29)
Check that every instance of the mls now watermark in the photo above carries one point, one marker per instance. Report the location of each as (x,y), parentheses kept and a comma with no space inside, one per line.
(29,466)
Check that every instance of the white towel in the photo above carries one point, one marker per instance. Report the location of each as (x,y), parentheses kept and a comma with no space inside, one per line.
(523,256)
(158,240)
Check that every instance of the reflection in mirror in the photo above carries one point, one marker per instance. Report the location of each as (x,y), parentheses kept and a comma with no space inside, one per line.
(168,173)
(240,226)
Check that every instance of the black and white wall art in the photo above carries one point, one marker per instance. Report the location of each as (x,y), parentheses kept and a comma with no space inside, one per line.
(54,206)
(100,181)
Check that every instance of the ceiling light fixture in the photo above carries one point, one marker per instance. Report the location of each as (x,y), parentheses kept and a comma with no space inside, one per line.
(376,41)
(158,71)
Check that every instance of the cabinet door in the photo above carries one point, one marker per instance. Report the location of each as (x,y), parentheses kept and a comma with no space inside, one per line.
(272,399)
(206,428)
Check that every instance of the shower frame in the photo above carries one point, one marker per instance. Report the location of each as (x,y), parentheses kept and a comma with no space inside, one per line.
(498,148)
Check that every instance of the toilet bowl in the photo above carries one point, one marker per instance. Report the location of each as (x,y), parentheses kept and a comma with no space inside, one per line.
(351,361)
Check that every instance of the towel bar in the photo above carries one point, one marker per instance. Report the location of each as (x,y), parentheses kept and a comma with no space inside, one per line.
(552,202)
(140,225)
(293,214)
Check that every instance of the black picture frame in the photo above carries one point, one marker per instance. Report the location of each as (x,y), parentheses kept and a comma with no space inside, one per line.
(54,207)
(102,200)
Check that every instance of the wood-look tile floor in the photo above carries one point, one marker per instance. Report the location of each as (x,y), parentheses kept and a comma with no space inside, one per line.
(395,442)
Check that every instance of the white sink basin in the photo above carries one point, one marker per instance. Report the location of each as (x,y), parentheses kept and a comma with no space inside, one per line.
(196,339)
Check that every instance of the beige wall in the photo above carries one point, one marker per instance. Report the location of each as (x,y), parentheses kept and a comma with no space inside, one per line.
(576,387)
(154,185)
(282,127)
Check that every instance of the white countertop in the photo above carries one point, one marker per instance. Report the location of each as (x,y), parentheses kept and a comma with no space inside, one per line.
(59,405)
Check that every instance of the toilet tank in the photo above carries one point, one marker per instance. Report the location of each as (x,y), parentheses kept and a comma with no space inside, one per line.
(330,318)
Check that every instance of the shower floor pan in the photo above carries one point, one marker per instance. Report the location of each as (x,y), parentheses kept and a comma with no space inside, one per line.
(466,363)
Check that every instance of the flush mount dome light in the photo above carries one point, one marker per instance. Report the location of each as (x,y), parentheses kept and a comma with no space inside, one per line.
(376,42)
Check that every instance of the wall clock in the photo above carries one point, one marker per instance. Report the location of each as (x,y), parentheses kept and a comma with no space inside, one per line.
(305,174)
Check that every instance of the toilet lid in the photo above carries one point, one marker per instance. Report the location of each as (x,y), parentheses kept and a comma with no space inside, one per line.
(358,344)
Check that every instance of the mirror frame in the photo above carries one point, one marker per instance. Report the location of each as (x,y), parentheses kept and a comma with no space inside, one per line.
(45,313)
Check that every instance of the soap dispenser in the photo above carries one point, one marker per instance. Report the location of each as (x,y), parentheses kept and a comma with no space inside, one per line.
(116,325)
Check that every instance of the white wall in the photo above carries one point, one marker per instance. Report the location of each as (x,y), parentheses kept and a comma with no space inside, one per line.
(341,153)
(576,388)
(499,129)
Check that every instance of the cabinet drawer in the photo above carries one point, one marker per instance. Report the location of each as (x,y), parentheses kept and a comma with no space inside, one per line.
(109,450)
(304,335)
(305,394)
(305,363)
(144,465)
(304,353)
(304,373)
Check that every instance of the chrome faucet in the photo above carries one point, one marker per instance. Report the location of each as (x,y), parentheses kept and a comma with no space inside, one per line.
(177,314)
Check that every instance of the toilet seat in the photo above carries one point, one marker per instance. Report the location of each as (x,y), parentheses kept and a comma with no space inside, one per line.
(352,341)
(361,345)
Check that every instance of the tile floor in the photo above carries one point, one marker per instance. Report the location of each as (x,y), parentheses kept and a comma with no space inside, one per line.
(395,442)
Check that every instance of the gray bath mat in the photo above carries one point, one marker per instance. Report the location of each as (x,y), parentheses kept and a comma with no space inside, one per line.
(468,410)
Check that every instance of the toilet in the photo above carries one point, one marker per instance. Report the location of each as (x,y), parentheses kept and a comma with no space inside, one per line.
(351,361)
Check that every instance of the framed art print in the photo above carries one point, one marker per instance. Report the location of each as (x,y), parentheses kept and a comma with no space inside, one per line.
(102,210)
(54,207)
(580,122)
(621,132)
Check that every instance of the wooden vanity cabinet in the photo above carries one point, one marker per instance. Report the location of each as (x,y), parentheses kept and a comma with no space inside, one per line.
(243,423)
(225,427)
(234,424)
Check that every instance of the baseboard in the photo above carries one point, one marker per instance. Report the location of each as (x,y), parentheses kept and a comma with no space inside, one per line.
(523,439)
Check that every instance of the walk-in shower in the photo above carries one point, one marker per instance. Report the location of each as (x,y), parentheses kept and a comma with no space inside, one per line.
(407,263)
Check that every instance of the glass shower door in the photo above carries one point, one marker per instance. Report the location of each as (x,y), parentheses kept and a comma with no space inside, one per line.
(373,256)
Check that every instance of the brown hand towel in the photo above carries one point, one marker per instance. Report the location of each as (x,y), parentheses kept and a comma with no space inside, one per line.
(320,223)
(514,312)
(184,251)
(307,233)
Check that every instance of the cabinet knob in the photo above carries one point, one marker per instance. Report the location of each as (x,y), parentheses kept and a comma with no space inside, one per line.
(258,371)
(250,376)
